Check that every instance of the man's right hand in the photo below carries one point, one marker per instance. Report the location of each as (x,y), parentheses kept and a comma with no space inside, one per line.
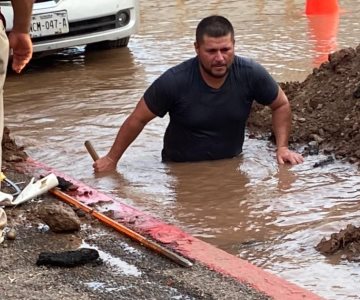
(104,164)
(21,45)
(19,37)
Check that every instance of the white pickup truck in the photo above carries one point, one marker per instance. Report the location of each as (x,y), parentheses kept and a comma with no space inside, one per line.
(59,24)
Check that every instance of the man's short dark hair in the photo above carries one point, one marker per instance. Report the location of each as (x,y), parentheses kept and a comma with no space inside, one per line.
(214,26)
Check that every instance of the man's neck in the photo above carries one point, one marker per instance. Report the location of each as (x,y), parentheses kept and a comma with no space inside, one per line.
(212,81)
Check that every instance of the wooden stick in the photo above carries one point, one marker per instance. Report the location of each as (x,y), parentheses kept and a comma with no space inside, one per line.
(123,229)
(91,150)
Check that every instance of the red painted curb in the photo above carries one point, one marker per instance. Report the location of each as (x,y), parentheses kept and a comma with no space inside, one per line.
(183,243)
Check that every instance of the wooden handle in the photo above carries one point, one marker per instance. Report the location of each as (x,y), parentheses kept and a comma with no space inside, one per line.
(91,150)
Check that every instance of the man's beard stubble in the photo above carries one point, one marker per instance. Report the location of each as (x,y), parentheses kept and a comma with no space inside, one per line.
(210,73)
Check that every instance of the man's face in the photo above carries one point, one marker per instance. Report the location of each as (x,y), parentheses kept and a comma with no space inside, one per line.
(216,55)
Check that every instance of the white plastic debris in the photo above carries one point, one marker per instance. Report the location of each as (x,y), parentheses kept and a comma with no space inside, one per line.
(5,198)
(34,189)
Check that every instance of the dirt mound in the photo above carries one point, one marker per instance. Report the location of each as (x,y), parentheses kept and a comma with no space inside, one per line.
(11,153)
(347,241)
(325,106)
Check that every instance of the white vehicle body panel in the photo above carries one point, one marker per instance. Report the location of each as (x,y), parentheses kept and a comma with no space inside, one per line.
(77,11)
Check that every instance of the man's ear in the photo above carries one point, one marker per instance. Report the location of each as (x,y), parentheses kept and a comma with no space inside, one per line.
(196,46)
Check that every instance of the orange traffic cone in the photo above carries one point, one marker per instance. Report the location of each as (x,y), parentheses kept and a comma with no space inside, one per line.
(320,7)
(323,33)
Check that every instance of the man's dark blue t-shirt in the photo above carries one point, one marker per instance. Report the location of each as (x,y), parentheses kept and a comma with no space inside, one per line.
(207,123)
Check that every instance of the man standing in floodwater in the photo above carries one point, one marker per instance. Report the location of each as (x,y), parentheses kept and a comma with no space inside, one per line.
(208,98)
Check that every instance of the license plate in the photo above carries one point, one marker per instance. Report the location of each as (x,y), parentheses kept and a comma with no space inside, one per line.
(49,24)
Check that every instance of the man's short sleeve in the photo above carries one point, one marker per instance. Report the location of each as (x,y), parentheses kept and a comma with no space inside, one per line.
(160,95)
(264,86)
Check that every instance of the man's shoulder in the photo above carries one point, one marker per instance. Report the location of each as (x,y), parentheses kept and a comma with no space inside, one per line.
(243,61)
(184,68)
(247,66)
(175,77)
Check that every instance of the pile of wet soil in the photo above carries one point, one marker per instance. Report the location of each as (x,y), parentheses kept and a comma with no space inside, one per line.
(11,153)
(346,242)
(325,106)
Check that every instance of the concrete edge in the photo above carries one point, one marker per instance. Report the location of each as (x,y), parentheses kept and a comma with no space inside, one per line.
(181,242)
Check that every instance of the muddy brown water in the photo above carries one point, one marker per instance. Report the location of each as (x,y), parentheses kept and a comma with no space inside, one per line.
(272,216)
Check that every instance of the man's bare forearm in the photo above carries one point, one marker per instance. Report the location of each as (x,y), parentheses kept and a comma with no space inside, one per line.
(22,15)
(126,135)
(281,122)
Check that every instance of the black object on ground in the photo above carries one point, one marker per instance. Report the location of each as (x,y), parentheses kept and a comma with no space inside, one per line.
(324,162)
(66,185)
(68,258)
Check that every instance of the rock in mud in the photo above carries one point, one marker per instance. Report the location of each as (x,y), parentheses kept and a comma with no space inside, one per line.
(60,218)
(11,234)
(347,241)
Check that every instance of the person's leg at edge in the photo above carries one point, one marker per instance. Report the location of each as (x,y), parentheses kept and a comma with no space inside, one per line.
(4,57)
